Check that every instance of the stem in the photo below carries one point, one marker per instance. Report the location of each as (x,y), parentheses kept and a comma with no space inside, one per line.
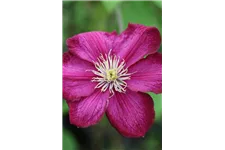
(119,18)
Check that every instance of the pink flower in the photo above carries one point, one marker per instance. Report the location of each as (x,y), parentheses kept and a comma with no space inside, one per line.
(106,72)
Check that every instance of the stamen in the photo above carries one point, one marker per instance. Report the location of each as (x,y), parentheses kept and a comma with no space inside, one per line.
(111,73)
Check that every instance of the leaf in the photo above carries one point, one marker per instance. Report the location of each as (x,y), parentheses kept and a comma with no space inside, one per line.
(110,5)
(69,142)
(145,12)
(98,17)
(153,144)
(158,3)
(67,1)
(65,107)
(79,17)
(65,24)
(157,98)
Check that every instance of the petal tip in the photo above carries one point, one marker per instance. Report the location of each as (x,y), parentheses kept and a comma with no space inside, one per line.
(113,32)
(83,124)
(133,26)
(130,24)
(89,110)
(66,57)
(78,124)
(156,39)
(158,92)
(69,98)
(72,42)
(142,135)
(132,114)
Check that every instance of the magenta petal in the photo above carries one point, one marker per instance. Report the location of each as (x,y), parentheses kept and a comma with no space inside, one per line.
(90,45)
(136,42)
(76,68)
(132,114)
(76,79)
(73,90)
(147,75)
(89,110)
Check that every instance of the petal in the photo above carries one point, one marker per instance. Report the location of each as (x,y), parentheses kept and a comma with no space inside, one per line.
(76,68)
(76,79)
(147,75)
(90,45)
(132,114)
(73,90)
(88,111)
(136,42)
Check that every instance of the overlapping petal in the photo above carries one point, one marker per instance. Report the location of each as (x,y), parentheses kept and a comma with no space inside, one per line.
(132,114)
(136,42)
(90,45)
(76,77)
(89,110)
(147,75)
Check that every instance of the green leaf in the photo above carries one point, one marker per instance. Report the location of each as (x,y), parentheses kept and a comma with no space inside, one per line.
(110,5)
(69,142)
(158,3)
(79,17)
(141,12)
(98,17)
(67,1)
(157,98)
(65,24)
(153,144)
(65,107)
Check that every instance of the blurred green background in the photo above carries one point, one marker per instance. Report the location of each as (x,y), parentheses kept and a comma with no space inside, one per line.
(83,16)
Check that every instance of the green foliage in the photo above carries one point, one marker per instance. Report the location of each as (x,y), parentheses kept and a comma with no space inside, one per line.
(153,144)
(141,12)
(65,107)
(157,98)
(98,17)
(69,142)
(110,5)
(158,3)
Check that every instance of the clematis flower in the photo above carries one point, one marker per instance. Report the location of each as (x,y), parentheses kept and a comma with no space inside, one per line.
(110,73)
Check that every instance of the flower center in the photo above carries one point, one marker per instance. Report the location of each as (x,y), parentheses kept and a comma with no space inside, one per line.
(111,74)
